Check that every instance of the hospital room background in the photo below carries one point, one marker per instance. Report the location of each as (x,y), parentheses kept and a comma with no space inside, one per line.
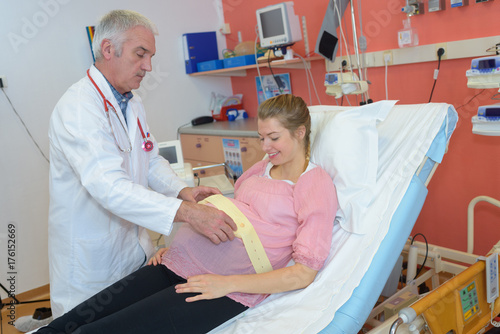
(44,49)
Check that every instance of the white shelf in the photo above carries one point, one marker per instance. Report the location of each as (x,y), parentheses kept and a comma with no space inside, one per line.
(241,71)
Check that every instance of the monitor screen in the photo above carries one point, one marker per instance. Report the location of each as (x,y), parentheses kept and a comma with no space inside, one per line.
(272,23)
(172,152)
(487,63)
(278,25)
(169,153)
(492,112)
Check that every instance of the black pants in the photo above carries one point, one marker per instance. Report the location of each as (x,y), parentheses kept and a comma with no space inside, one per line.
(145,302)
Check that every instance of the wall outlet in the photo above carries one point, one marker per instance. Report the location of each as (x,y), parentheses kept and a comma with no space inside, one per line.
(445,55)
(388,57)
(226,29)
(4,81)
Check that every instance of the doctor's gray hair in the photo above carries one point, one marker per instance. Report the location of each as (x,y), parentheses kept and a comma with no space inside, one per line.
(113,26)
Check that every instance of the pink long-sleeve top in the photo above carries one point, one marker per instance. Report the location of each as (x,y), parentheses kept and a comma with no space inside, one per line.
(293,221)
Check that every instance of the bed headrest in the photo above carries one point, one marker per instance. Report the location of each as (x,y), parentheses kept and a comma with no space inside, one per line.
(344,141)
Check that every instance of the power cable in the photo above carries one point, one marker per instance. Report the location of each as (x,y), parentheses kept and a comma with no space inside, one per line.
(470,100)
(426,253)
(272,73)
(440,53)
(25,127)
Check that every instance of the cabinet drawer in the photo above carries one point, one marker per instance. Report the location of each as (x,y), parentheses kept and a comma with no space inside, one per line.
(251,152)
(202,148)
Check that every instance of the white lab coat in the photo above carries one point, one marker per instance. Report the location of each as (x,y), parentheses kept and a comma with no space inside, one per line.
(100,203)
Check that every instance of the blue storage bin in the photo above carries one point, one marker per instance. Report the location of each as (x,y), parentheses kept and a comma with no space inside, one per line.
(210,65)
(239,61)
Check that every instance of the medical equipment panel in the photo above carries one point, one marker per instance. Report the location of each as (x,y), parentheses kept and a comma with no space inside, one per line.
(487,121)
(340,83)
(486,64)
(278,25)
(459,3)
(469,301)
(484,73)
(436,5)
(489,112)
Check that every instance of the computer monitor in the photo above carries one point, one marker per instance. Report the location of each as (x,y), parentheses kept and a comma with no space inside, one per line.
(278,25)
(171,150)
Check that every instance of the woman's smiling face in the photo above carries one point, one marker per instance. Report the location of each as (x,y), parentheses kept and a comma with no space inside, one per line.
(278,142)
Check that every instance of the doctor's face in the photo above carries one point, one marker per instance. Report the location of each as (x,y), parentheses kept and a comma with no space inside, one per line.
(130,67)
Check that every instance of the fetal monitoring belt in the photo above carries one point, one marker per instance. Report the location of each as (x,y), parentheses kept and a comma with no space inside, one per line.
(245,231)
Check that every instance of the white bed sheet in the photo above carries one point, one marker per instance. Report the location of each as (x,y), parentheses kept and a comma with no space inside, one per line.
(403,140)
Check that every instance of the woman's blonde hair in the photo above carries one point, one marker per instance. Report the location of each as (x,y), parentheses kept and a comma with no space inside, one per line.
(291,111)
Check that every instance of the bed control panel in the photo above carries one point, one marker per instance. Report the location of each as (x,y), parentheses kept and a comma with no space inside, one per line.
(492,278)
(469,301)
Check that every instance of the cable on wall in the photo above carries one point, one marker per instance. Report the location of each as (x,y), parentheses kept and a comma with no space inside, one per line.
(272,73)
(470,100)
(309,74)
(25,127)
(440,53)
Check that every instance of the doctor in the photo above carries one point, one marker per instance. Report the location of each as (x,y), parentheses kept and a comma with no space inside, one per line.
(107,182)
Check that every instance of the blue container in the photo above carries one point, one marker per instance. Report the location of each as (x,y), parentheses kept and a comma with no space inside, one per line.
(239,61)
(210,65)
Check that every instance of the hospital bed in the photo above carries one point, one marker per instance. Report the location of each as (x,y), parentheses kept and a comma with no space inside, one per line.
(381,157)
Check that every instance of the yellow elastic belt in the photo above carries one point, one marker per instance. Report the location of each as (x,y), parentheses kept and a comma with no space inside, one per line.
(245,231)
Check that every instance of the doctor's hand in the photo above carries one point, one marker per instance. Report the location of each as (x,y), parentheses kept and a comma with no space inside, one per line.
(197,194)
(209,286)
(215,224)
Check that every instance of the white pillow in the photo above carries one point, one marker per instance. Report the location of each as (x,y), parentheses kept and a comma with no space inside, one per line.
(344,141)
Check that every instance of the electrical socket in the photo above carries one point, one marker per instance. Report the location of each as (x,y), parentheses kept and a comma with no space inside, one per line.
(226,29)
(445,55)
(388,57)
(4,81)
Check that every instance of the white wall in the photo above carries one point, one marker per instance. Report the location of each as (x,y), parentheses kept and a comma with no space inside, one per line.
(43,50)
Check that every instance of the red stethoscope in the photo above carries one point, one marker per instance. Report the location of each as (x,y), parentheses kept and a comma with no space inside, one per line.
(147,144)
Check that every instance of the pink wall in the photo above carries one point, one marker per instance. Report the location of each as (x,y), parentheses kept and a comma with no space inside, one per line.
(472,165)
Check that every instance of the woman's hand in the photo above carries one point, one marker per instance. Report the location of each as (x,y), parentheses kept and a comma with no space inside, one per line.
(156,259)
(209,286)
(297,276)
